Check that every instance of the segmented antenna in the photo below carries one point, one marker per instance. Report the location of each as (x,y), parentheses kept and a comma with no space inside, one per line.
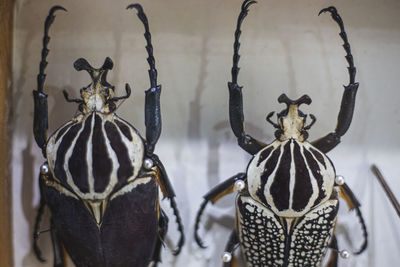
(45,51)
(349,57)
(236,45)
(149,46)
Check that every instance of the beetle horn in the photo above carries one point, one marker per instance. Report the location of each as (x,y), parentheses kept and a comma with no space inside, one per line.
(305,99)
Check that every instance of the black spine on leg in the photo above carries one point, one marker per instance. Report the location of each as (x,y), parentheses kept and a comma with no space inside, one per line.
(40,121)
(213,193)
(152,104)
(345,116)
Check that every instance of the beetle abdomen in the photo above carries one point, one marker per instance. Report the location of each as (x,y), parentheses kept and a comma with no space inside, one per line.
(127,235)
(290,177)
(95,155)
(267,240)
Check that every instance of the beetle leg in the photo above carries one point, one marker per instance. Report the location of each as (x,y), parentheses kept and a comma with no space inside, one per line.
(333,259)
(59,257)
(213,195)
(231,245)
(36,230)
(345,116)
(152,101)
(162,231)
(353,203)
(169,193)
(40,118)
(236,116)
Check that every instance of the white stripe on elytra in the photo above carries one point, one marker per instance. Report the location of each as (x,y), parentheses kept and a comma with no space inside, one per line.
(68,153)
(314,183)
(258,170)
(113,156)
(292,175)
(134,147)
(327,180)
(89,155)
(267,187)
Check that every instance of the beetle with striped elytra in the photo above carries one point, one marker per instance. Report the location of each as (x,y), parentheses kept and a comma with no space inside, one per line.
(288,199)
(101,178)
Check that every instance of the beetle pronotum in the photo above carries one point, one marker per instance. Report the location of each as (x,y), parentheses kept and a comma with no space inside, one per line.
(286,208)
(101,178)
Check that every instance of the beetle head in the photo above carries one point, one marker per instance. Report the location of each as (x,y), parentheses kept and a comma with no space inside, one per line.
(97,95)
(291,120)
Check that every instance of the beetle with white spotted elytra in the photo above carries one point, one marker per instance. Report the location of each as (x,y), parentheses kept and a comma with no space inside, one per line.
(101,178)
(287,205)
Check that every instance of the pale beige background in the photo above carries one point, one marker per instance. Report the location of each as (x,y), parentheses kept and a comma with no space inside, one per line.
(286,47)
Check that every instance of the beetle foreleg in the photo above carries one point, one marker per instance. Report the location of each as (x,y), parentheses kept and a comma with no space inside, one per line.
(40,118)
(345,116)
(213,195)
(236,116)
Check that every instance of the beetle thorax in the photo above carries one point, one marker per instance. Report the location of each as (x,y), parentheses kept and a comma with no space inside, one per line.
(292,124)
(95,98)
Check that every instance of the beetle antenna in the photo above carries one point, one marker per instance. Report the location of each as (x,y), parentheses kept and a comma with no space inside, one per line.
(149,47)
(236,45)
(45,51)
(349,57)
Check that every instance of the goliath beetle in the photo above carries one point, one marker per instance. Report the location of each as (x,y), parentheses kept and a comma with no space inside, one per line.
(287,204)
(101,178)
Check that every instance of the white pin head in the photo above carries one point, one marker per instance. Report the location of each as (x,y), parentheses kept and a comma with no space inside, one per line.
(344,254)
(226,257)
(44,169)
(339,180)
(239,185)
(148,164)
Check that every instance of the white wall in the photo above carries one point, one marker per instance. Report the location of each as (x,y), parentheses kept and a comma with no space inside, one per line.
(286,47)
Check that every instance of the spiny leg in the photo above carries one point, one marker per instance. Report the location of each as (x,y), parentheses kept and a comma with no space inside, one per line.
(40,119)
(162,231)
(353,203)
(36,230)
(236,115)
(228,257)
(219,191)
(152,101)
(169,193)
(333,259)
(327,143)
